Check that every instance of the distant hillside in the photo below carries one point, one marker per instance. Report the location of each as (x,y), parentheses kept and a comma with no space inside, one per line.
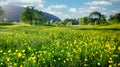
(12,13)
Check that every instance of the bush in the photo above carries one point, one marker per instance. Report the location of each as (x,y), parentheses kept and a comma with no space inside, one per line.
(69,24)
(7,23)
(110,22)
(56,23)
(5,20)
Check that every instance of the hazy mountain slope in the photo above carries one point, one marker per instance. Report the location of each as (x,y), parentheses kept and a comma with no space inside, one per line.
(51,17)
(12,13)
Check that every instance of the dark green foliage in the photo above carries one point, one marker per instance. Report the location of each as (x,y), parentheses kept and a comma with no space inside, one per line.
(6,23)
(85,20)
(39,17)
(27,15)
(114,19)
(73,21)
(5,20)
(30,14)
(103,20)
(95,17)
(1,11)
(80,20)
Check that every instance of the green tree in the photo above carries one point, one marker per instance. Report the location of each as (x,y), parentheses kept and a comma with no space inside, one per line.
(1,11)
(117,17)
(114,19)
(80,20)
(5,20)
(95,17)
(28,14)
(74,21)
(39,17)
(32,15)
(85,20)
(103,19)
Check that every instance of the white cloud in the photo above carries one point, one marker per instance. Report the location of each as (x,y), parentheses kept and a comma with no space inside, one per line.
(3,3)
(26,1)
(115,0)
(73,10)
(56,10)
(82,12)
(101,3)
(38,3)
(56,7)
(116,11)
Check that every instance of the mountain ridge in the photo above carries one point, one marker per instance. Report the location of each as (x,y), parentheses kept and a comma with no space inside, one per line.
(12,13)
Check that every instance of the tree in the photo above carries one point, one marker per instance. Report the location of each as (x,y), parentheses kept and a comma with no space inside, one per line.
(117,16)
(103,20)
(5,20)
(39,17)
(80,20)
(114,18)
(28,14)
(1,11)
(95,17)
(32,15)
(74,21)
(85,20)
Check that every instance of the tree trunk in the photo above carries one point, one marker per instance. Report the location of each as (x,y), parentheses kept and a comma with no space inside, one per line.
(31,22)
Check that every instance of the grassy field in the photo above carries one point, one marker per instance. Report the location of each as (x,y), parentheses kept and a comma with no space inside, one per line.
(49,46)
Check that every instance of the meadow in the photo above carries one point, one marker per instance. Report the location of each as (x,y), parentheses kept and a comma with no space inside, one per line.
(48,46)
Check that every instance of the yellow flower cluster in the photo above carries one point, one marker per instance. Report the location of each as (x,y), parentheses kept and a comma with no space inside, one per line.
(54,46)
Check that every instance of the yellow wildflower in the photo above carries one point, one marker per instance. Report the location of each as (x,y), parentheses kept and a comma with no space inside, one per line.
(23,51)
(98,63)
(19,54)
(110,61)
(1,51)
(62,50)
(21,65)
(64,61)
(34,61)
(15,64)
(75,41)
(23,62)
(16,51)
(8,59)
(9,51)
(85,65)
(4,53)
(54,60)
(58,58)
(86,59)
(68,54)
(119,48)
(1,63)
(110,65)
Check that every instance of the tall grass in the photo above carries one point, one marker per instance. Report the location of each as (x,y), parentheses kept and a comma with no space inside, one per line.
(34,46)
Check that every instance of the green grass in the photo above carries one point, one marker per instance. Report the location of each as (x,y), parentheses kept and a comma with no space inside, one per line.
(48,46)
(96,27)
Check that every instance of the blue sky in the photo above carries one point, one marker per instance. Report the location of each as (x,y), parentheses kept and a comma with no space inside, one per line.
(70,8)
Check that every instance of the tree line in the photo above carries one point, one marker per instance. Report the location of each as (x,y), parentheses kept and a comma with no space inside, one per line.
(33,16)
(94,18)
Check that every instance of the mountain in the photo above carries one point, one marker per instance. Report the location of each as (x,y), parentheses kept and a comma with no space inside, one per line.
(49,17)
(12,13)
